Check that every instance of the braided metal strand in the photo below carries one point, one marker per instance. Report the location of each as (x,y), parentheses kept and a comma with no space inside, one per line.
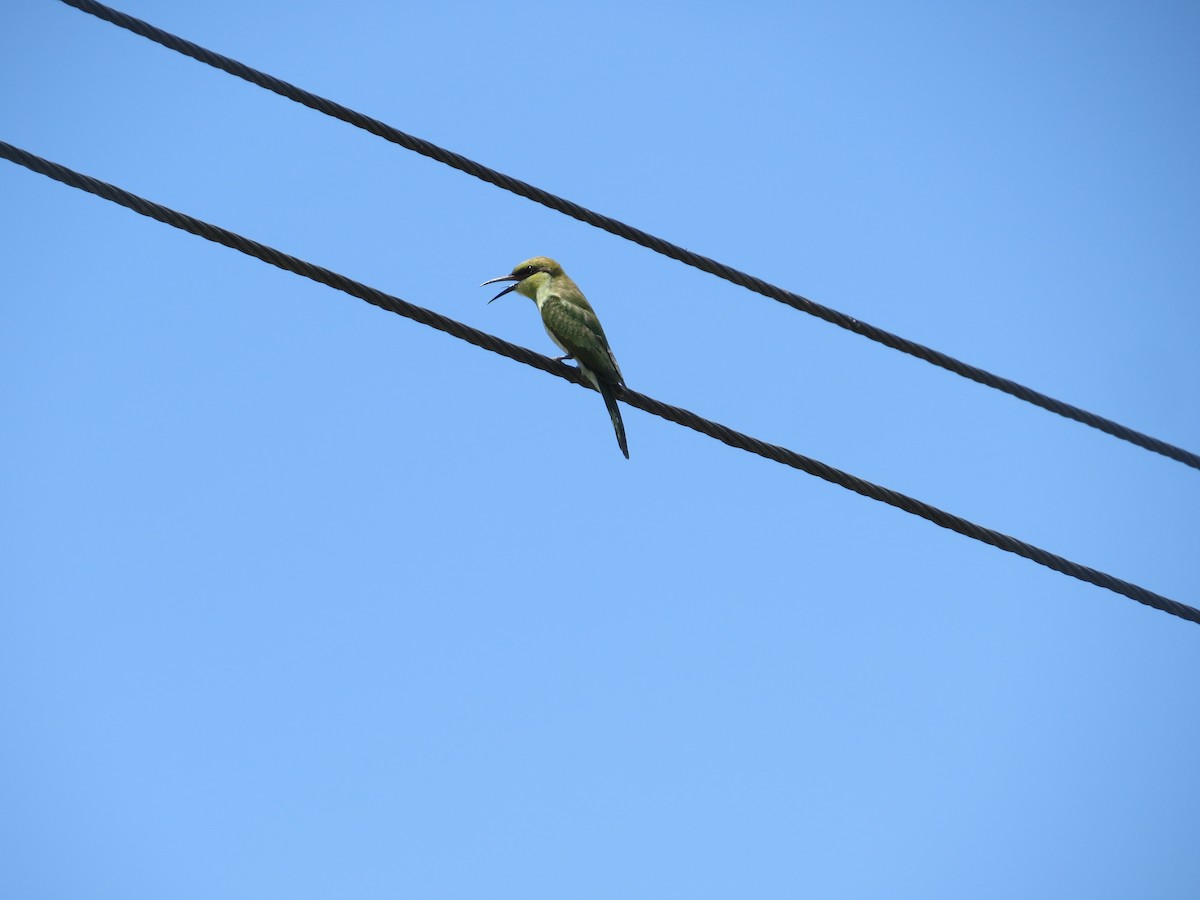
(655,407)
(628,232)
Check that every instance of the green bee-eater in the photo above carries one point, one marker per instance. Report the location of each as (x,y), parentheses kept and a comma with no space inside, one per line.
(572,325)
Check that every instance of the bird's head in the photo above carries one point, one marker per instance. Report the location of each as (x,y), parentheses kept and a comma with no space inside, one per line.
(526,277)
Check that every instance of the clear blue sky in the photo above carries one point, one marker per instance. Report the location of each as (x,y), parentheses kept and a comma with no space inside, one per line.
(303,600)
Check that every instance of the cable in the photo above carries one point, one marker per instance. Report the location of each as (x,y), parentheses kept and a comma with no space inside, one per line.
(655,407)
(645,239)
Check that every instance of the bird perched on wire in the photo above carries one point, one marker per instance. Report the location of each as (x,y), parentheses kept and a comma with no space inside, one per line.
(572,325)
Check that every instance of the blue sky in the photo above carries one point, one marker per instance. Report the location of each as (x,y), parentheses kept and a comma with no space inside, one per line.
(304,600)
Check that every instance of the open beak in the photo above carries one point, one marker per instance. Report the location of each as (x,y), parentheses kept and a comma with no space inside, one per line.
(511,287)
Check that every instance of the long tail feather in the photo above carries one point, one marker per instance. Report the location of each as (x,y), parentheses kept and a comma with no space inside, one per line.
(614,413)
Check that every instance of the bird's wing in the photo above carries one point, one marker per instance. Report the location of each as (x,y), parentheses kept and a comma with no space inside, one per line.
(578,330)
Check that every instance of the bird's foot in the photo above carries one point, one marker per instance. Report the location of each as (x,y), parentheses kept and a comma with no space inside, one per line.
(564,358)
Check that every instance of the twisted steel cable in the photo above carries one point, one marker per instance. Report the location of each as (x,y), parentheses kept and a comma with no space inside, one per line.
(628,232)
(655,407)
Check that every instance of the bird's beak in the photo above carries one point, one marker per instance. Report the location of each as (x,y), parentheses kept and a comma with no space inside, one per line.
(511,287)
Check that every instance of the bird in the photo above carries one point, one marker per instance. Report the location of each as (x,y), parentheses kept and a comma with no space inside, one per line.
(572,324)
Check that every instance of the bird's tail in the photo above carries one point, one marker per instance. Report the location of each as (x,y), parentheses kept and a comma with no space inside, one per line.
(614,413)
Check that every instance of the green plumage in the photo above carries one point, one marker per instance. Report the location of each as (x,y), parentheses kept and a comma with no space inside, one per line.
(576,327)
(572,325)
